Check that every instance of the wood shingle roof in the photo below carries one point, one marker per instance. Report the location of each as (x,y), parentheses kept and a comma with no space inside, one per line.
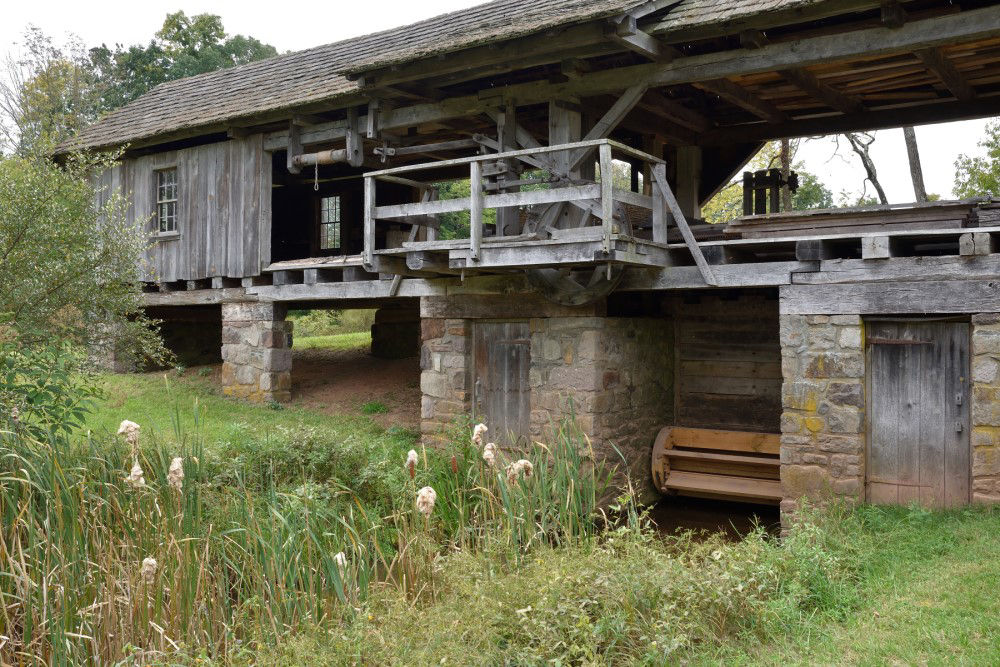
(208,102)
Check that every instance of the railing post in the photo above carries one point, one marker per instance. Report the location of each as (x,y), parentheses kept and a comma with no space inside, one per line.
(368,253)
(607,195)
(475,209)
(659,172)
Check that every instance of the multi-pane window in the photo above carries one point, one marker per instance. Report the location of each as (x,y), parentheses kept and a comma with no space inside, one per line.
(166,200)
(329,223)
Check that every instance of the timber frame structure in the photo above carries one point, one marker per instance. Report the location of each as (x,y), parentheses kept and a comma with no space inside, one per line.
(595,131)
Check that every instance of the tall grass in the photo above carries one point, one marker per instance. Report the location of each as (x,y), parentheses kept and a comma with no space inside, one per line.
(249,558)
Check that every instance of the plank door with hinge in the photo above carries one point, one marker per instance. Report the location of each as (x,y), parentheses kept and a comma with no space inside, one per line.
(918,426)
(501,394)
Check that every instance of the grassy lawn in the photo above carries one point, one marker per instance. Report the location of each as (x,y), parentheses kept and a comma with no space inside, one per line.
(173,406)
(345,341)
(927,595)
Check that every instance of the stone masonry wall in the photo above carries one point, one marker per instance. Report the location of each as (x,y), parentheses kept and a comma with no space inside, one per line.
(256,351)
(615,374)
(823,401)
(444,375)
(985,406)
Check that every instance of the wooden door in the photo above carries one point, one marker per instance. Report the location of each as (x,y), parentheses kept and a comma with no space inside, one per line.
(918,427)
(501,395)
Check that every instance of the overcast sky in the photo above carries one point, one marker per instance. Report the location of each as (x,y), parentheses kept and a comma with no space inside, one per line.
(294,26)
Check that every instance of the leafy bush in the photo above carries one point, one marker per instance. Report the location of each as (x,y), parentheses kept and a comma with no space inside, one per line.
(42,391)
(286,458)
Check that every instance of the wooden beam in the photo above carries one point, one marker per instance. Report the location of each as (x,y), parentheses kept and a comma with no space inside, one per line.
(609,121)
(876,119)
(627,34)
(657,103)
(807,82)
(892,14)
(742,98)
(943,68)
(891,298)
(659,174)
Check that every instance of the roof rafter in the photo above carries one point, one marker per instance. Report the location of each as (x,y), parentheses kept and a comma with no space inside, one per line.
(741,97)
(953,80)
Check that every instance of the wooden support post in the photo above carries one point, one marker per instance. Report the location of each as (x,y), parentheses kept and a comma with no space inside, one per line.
(976,244)
(810,250)
(607,194)
(689,180)
(682,225)
(294,147)
(475,209)
(355,148)
(368,253)
(564,128)
(659,205)
(877,247)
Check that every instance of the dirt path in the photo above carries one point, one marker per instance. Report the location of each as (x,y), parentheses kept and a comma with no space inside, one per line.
(341,381)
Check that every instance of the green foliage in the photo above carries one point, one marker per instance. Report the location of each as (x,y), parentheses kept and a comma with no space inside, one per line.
(42,393)
(331,322)
(184,46)
(979,176)
(47,94)
(69,270)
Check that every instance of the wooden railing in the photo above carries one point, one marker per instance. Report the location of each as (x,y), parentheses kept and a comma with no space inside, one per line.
(597,198)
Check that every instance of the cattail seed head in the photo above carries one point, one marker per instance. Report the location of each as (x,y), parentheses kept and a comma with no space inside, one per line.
(175,476)
(148,569)
(411,462)
(518,469)
(454,465)
(15,415)
(426,497)
(477,433)
(490,454)
(131,432)
(135,477)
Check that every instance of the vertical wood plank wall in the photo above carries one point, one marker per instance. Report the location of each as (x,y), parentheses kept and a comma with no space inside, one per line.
(727,362)
(224,208)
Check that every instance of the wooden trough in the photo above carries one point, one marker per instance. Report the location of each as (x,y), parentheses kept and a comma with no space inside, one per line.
(727,465)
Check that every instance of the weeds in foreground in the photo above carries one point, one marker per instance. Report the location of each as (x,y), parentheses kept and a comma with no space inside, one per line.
(109,546)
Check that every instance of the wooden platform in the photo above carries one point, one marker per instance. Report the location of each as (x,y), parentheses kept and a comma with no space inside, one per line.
(936,215)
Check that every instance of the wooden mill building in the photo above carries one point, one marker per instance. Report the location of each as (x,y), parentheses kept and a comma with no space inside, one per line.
(846,352)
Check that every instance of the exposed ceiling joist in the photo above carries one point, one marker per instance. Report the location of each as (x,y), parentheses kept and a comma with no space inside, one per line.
(744,99)
(952,29)
(675,112)
(938,63)
(807,82)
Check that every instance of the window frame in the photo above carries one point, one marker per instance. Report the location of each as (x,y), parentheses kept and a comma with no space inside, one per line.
(158,203)
(334,224)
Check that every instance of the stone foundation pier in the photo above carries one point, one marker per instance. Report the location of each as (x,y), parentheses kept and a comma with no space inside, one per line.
(256,351)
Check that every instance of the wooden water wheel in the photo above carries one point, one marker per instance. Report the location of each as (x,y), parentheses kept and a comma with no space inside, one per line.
(574,285)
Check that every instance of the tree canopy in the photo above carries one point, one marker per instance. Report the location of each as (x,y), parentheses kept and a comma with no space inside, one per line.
(183,47)
(53,91)
(979,176)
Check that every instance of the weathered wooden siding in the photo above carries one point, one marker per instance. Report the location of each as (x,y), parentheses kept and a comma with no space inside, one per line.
(727,362)
(224,209)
